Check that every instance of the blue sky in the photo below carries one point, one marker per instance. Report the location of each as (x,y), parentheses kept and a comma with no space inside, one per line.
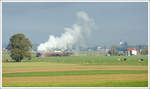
(126,21)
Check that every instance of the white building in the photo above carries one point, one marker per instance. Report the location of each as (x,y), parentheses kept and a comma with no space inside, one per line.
(131,51)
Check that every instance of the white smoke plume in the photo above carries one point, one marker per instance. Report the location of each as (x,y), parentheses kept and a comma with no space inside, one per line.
(78,34)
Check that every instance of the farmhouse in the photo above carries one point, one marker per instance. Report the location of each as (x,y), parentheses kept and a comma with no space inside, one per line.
(131,51)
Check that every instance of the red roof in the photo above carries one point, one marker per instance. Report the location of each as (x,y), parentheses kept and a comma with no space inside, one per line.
(129,49)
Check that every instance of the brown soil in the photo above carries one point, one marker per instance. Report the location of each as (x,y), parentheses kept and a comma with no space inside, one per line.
(77,68)
(77,78)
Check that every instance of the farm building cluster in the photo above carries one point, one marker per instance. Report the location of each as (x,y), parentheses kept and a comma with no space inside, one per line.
(128,50)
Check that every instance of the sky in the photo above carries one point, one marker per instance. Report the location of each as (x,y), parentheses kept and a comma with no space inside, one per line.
(114,21)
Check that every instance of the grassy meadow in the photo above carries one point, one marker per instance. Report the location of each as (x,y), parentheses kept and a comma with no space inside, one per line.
(76,71)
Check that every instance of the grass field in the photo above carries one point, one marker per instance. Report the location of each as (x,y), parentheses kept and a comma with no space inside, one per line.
(76,71)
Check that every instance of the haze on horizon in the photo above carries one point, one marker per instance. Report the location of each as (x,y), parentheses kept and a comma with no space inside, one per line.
(113,21)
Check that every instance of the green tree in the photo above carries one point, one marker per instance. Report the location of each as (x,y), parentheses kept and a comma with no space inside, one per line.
(20,47)
(144,51)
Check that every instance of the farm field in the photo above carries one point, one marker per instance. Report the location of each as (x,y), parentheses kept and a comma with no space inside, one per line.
(76,71)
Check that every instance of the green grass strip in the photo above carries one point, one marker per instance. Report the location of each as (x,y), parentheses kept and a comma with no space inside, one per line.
(62,73)
(129,83)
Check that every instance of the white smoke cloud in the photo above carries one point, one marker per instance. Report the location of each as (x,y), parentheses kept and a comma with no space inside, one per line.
(76,35)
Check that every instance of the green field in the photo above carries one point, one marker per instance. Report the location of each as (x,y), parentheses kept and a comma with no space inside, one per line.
(76,71)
